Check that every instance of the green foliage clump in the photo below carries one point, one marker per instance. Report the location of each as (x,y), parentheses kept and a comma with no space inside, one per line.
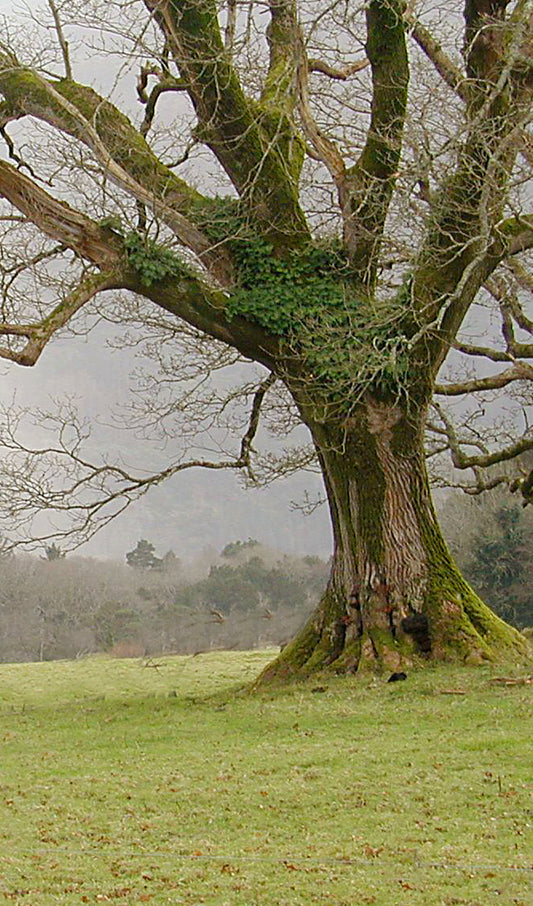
(310,297)
(279,293)
(251,585)
(152,261)
(235,547)
(114,622)
(143,557)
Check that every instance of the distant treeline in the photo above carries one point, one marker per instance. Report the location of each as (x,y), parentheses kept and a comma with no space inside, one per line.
(64,607)
(491,537)
(58,606)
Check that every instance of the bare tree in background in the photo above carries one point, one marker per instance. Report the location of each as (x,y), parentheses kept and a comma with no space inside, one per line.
(370,169)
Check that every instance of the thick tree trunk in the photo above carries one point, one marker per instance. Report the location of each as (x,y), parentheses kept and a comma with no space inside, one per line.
(395,596)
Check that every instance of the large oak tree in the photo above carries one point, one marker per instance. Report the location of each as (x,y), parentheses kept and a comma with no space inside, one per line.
(373,165)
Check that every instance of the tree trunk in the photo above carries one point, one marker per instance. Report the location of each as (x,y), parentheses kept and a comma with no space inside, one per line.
(395,596)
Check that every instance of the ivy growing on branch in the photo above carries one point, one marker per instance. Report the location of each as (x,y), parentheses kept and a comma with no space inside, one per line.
(152,261)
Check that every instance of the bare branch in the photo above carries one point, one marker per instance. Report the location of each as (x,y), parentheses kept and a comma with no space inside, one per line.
(519,372)
(61,38)
(454,77)
(227,122)
(231,24)
(525,280)
(511,311)
(482,460)
(40,333)
(58,220)
(59,479)
(496,355)
(247,440)
(333,72)
(367,191)
(324,149)
(122,152)
(164,85)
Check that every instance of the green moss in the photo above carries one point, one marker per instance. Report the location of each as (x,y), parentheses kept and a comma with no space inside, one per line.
(349,658)
(459,619)
(370,497)
(291,660)
(197,18)
(26,91)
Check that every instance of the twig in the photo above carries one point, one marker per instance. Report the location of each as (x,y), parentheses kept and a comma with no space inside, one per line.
(61,38)
(513,680)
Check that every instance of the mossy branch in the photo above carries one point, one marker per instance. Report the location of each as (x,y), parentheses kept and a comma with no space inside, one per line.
(228,121)
(367,190)
(121,150)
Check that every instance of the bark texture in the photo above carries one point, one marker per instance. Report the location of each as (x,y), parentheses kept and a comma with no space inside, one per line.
(395,597)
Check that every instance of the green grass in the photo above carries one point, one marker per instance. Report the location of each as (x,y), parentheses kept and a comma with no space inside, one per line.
(129,785)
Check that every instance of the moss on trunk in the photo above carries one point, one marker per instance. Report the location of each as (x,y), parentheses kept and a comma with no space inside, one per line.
(395,597)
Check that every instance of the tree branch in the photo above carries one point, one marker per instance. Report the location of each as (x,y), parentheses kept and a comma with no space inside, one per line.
(481,460)
(454,77)
(324,149)
(228,122)
(38,334)
(496,355)
(484,38)
(185,296)
(512,236)
(525,280)
(279,96)
(247,440)
(519,372)
(333,72)
(121,150)
(59,479)
(63,43)
(58,220)
(367,191)
(164,85)
(511,311)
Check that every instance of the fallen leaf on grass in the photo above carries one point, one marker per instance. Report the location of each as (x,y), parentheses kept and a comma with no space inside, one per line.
(227,869)
(372,852)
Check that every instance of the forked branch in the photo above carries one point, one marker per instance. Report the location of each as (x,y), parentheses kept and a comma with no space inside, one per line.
(38,334)
(481,460)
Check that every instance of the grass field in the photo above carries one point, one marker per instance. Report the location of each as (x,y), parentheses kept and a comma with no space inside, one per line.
(129,784)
